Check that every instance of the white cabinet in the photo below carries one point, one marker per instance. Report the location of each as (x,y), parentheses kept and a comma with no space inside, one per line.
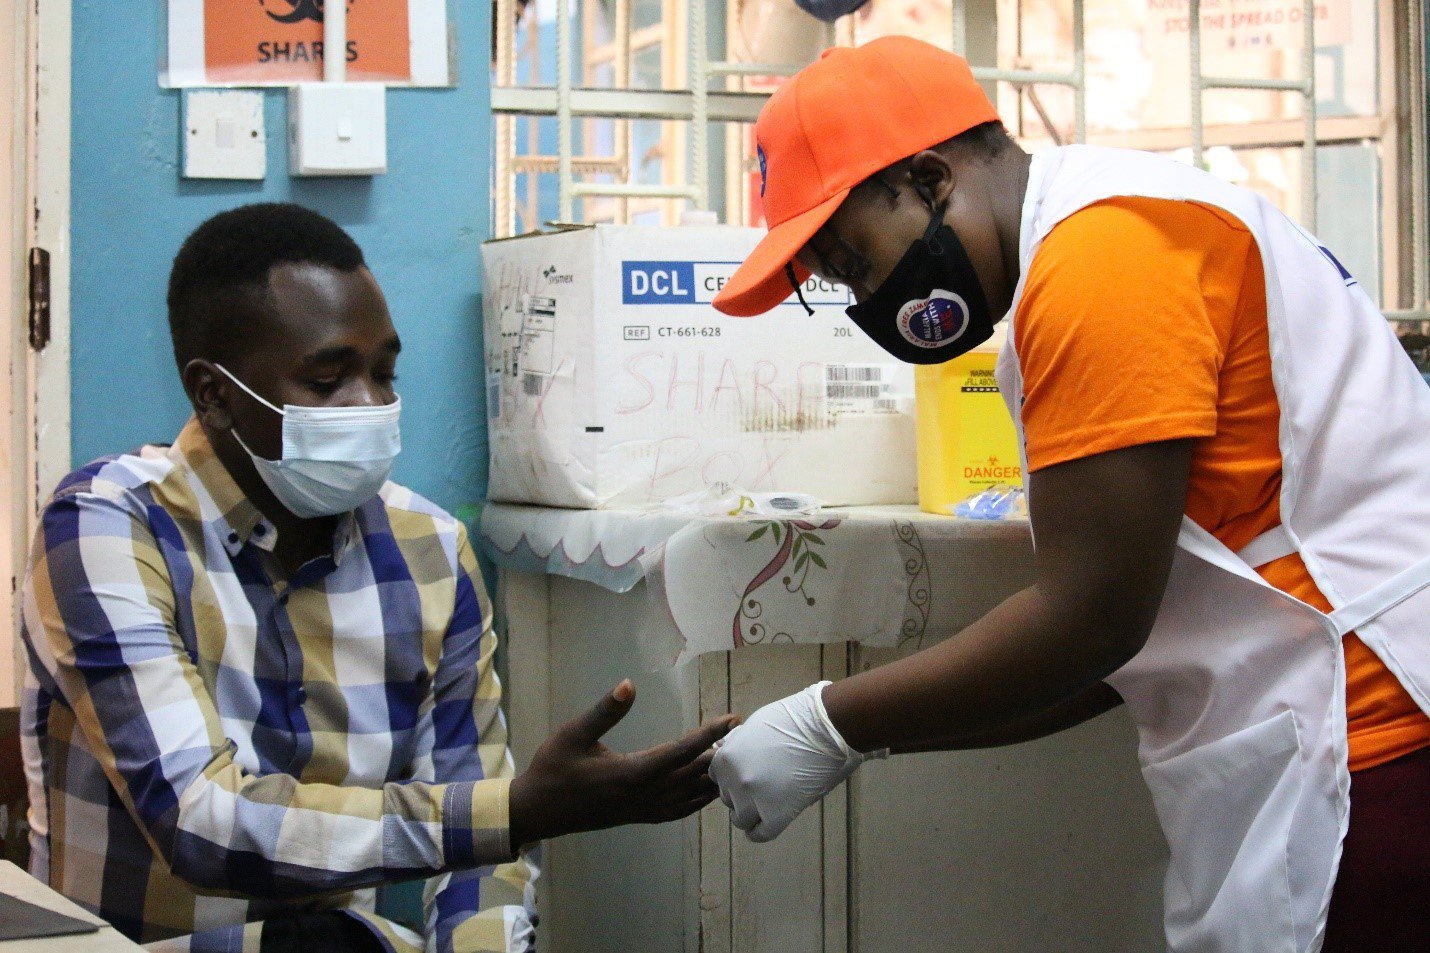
(1047,846)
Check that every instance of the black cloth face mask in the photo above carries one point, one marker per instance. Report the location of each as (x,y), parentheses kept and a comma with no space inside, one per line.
(931,308)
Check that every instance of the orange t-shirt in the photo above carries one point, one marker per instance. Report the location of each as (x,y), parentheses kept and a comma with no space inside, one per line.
(1145,320)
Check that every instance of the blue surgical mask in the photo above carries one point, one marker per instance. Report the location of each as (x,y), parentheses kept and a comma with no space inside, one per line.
(334,458)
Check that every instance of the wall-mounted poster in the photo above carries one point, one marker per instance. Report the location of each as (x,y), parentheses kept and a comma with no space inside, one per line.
(1245,24)
(280,42)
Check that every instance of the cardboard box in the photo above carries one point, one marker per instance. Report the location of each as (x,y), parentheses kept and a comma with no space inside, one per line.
(611,381)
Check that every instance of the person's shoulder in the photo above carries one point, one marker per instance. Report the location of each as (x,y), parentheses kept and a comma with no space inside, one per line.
(408,507)
(116,478)
(1132,250)
(1132,222)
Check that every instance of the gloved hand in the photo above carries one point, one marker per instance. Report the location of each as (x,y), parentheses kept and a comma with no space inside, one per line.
(781,760)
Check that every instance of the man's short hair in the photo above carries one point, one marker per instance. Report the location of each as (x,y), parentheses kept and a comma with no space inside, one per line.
(219,281)
(984,141)
(981,143)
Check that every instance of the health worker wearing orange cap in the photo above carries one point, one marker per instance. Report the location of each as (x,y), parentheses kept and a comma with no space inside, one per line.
(1228,459)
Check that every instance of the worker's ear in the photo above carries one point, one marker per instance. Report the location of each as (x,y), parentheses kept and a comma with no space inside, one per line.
(933,177)
(208,391)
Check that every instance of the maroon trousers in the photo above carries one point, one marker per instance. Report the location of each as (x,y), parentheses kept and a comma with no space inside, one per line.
(1381,902)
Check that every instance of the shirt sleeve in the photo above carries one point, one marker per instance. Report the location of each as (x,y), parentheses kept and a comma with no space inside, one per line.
(99,614)
(1124,325)
(490,909)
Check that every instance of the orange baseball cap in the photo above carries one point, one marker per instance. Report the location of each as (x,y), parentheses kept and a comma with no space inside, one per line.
(836,122)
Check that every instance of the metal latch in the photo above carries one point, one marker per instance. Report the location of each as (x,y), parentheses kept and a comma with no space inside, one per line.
(39,298)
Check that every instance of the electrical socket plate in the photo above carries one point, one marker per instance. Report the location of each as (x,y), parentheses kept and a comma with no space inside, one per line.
(223,134)
(337,129)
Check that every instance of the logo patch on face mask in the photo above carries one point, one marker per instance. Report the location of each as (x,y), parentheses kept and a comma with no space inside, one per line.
(935,321)
(764,167)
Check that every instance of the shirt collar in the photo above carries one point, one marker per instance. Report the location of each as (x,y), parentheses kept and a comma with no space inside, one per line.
(235,519)
(233,516)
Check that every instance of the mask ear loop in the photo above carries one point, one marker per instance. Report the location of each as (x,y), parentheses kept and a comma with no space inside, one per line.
(249,390)
(925,193)
(798,291)
(935,223)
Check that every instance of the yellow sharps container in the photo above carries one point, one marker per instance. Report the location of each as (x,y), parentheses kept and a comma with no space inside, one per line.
(966,441)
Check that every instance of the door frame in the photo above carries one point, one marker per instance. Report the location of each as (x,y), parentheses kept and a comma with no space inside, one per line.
(35,404)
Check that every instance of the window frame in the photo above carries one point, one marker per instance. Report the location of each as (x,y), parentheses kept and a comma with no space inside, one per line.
(1399,129)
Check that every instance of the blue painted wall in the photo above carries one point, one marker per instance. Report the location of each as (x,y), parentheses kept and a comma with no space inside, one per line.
(420,226)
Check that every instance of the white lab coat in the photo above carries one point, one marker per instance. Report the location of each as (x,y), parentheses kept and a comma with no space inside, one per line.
(1239,694)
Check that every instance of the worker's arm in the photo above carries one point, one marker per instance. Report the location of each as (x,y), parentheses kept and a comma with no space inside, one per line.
(1097,700)
(1106,529)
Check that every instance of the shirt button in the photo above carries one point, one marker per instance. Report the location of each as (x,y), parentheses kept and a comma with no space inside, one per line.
(259,530)
(233,537)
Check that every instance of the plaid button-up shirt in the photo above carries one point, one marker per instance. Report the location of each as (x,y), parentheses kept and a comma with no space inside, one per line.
(211,743)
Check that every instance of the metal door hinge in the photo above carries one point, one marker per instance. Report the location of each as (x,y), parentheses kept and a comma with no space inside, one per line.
(39,298)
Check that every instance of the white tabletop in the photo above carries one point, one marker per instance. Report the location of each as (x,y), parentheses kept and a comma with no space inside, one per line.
(16,883)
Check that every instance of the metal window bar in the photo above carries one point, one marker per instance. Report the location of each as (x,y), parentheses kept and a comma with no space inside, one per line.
(1075,80)
(698,73)
(565,202)
(540,163)
(504,178)
(1419,309)
(618,53)
(1306,86)
(728,68)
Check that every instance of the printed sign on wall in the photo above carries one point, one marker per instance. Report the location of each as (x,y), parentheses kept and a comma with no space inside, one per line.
(280,42)
(1247,24)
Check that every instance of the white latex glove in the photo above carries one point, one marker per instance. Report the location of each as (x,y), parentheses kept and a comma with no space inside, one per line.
(781,760)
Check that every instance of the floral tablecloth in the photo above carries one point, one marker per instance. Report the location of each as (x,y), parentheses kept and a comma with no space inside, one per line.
(882,575)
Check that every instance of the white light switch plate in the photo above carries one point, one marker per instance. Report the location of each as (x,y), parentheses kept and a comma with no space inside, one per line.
(223,134)
(337,129)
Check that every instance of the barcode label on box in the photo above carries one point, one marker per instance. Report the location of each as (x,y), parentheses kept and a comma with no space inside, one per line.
(860,388)
(853,391)
(853,372)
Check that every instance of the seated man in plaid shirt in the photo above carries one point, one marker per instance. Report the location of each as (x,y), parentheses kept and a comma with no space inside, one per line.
(260,676)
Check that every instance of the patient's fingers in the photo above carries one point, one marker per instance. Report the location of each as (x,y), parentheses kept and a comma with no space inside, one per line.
(684,750)
(700,767)
(685,808)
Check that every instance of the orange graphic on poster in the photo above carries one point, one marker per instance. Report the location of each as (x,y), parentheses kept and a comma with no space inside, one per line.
(268,41)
